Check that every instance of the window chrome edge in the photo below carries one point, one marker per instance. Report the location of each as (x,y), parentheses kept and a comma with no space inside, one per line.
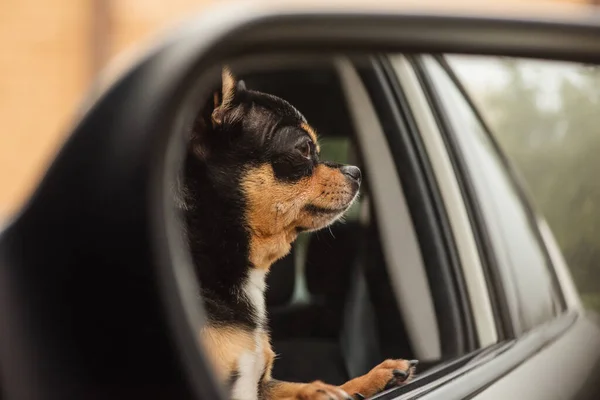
(563,274)
(477,290)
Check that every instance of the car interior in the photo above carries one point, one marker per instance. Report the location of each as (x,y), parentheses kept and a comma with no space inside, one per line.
(333,306)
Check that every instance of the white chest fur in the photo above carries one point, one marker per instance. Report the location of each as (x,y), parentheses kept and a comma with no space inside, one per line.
(254,290)
(251,364)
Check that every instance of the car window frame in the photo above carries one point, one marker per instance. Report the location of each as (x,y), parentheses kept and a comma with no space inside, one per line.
(446,180)
(502,274)
(559,266)
(426,207)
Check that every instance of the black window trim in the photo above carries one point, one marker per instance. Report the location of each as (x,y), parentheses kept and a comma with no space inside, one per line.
(424,201)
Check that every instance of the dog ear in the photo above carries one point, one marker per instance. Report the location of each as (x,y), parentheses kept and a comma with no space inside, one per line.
(223,101)
(212,113)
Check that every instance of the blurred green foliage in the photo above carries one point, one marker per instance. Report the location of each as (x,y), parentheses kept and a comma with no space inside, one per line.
(557,152)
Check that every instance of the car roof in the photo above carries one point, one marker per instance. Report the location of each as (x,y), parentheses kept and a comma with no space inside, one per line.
(575,9)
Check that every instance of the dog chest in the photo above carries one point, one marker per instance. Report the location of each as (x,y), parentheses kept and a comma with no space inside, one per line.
(250,368)
(254,291)
(251,364)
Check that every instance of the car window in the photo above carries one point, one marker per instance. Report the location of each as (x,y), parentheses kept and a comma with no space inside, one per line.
(526,274)
(545,117)
(332,290)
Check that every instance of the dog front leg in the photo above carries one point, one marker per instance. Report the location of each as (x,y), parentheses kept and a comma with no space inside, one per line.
(388,374)
(279,390)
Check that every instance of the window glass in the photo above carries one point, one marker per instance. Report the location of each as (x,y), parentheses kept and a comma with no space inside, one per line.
(515,241)
(545,116)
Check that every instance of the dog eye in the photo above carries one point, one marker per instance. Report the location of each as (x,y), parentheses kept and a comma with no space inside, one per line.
(305,149)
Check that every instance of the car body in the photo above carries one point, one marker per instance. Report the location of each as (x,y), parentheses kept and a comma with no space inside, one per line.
(460,271)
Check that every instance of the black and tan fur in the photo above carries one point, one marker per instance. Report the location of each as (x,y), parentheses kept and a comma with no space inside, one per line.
(252,181)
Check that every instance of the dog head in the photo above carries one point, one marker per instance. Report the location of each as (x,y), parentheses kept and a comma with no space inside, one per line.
(261,155)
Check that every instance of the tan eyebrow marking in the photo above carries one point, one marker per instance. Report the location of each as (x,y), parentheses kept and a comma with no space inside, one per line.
(313,135)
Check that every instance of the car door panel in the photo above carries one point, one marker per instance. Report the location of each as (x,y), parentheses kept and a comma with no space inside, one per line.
(481,373)
(567,368)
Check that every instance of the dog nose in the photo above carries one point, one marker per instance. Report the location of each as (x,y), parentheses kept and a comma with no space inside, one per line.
(351,172)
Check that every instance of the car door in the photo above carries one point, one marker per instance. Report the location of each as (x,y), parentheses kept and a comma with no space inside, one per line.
(99,219)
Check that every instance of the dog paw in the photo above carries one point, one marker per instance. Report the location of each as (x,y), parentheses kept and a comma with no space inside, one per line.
(402,372)
(321,391)
(388,374)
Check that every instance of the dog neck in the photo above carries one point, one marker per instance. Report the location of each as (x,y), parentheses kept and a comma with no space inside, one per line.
(266,249)
(230,261)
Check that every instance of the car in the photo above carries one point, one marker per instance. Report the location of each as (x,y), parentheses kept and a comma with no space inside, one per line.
(443,259)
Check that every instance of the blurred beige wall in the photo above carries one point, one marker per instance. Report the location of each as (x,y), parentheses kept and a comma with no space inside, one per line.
(50,51)
(43,69)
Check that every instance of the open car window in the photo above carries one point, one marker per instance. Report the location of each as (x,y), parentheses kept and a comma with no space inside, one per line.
(332,302)
(383,283)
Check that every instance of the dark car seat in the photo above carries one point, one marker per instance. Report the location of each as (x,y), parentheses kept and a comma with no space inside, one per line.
(331,336)
(281,282)
(392,337)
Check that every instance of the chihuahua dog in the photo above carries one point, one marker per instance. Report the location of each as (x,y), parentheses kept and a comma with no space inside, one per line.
(253,180)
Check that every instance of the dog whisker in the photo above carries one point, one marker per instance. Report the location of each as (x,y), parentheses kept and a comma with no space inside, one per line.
(330,231)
